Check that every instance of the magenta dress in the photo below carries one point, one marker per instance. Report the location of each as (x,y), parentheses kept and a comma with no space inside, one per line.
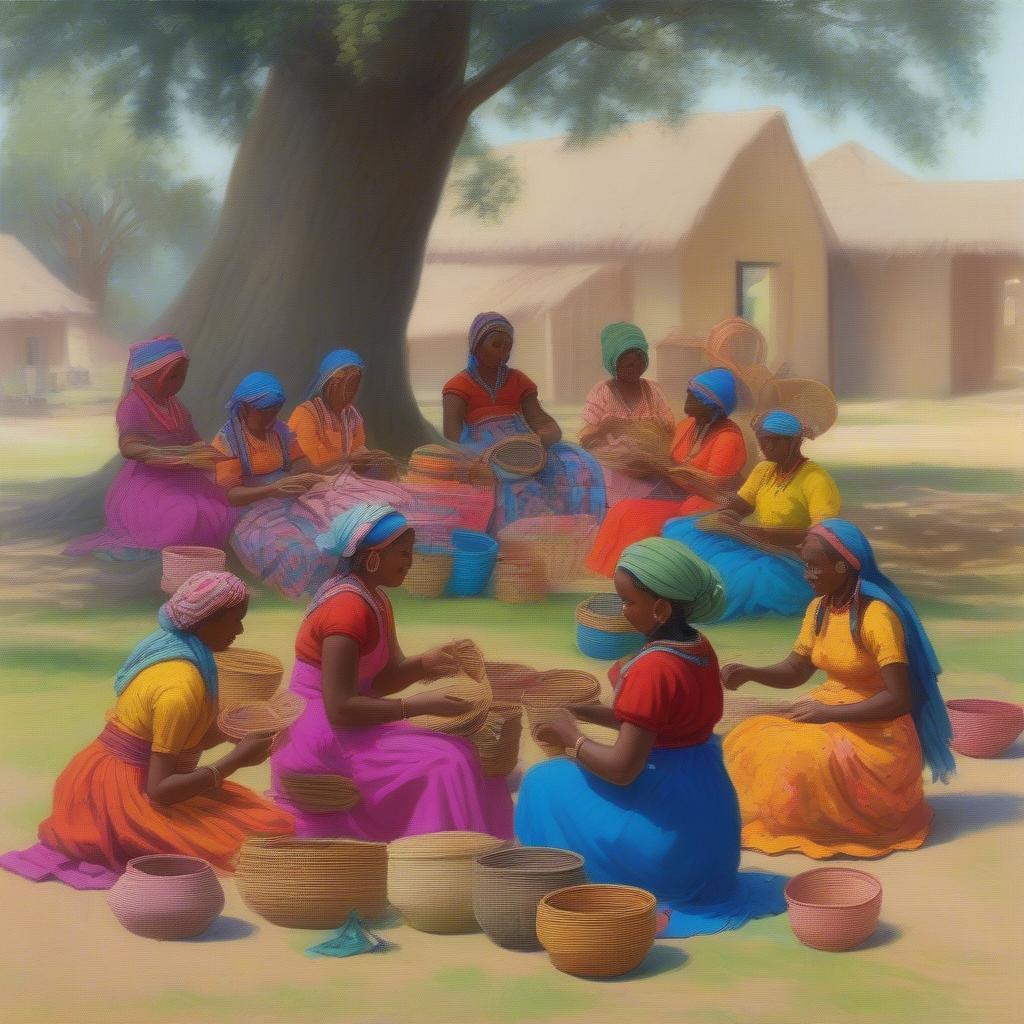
(411,780)
(153,507)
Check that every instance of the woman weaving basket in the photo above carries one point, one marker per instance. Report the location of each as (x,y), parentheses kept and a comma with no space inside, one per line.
(136,790)
(488,401)
(350,670)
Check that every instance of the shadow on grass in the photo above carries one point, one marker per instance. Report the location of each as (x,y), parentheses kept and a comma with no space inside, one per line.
(884,935)
(959,814)
(226,929)
(660,960)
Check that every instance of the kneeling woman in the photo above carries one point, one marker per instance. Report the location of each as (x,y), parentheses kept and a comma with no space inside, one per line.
(842,774)
(136,789)
(348,667)
(656,809)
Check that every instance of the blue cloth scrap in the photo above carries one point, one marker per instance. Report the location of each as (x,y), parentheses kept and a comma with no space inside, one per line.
(351,939)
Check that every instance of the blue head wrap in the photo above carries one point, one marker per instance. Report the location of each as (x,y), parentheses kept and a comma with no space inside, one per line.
(339,359)
(780,423)
(371,524)
(716,388)
(260,391)
(146,357)
(929,711)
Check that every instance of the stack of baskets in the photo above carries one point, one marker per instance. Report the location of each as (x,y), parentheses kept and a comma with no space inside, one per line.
(473,563)
(184,560)
(559,543)
(602,630)
(246,676)
(430,570)
(312,883)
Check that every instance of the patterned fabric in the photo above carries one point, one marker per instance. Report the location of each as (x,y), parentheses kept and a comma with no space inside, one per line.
(605,402)
(484,402)
(672,571)
(148,357)
(371,525)
(202,595)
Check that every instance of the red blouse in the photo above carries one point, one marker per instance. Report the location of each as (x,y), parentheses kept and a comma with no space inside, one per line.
(479,405)
(676,700)
(345,615)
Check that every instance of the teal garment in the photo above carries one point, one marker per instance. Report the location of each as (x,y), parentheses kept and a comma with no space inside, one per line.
(351,939)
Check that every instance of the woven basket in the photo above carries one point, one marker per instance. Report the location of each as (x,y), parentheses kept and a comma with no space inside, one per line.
(180,562)
(984,728)
(497,741)
(553,692)
(597,931)
(508,886)
(471,685)
(518,583)
(379,465)
(737,342)
(429,573)
(246,676)
(560,543)
(262,718)
(430,879)
(437,463)
(509,681)
(320,793)
(312,883)
(517,456)
(810,401)
(833,908)
(602,630)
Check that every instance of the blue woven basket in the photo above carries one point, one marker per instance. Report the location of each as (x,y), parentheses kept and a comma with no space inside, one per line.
(602,630)
(475,557)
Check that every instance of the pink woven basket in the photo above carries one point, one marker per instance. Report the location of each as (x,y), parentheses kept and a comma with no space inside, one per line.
(984,728)
(833,908)
(182,561)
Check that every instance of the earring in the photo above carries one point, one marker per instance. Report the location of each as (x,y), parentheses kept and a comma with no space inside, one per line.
(372,562)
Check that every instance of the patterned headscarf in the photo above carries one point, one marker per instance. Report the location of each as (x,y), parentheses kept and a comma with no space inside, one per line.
(148,357)
(780,423)
(332,363)
(716,388)
(259,391)
(369,525)
(671,570)
(617,340)
(199,597)
(485,324)
(930,716)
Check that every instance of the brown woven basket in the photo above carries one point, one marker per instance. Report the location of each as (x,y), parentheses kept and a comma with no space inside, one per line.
(597,931)
(320,793)
(509,681)
(471,685)
(428,575)
(604,612)
(554,691)
(810,401)
(560,543)
(262,718)
(519,455)
(497,741)
(312,883)
(518,583)
(380,465)
(245,676)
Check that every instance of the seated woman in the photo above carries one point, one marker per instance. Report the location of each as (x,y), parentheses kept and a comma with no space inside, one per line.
(489,401)
(349,668)
(656,809)
(787,494)
(841,773)
(162,494)
(711,449)
(626,399)
(136,789)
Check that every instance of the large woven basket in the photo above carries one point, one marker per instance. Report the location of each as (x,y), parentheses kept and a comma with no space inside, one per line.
(182,561)
(552,692)
(508,886)
(833,908)
(737,342)
(320,794)
(810,401)
(497,741)
(517,456)
(597,931)
(430,570)
(519,582)
(560,543)
(245,676)
(602,631)
(312,883)
(509,681)
(430,879)
(262,718)
(984,728)
(471,685)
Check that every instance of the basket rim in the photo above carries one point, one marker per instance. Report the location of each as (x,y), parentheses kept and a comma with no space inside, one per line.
(647,901)
(201,865)
(527,869)
(983,706)
(404,848)
(873,882)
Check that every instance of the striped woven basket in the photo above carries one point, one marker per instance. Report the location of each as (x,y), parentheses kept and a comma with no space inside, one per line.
(509,681)
(437,463)
(430,570)
(602,630)
(497,742)
(312,883)
(245,676)
(320,793)
(560,543)
(182,561)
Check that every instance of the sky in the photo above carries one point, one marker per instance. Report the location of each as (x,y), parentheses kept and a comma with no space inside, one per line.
(991,149)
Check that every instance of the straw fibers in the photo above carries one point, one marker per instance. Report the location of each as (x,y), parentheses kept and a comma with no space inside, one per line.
(560,543)
(320,793)
(262,718)
(245,676)
(470,684)
(429,573)
(810,401)
(497,741)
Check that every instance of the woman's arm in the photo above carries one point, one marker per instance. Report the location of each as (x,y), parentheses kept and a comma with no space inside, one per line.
(543,425)
(889,703)
(597,714)
(454,409)
(619,764)
(794,671)
(165,786)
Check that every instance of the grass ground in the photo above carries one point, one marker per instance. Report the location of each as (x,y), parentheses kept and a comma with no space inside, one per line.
(950,919)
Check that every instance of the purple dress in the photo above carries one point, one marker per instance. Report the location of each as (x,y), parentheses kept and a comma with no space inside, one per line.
(411,781)
(153,507)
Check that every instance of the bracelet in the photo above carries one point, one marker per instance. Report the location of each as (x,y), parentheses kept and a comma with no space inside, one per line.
(214,774)
(404,707)
(575,752)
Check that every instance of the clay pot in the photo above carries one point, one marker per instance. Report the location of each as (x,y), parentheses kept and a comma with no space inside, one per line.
(833,908)
(166,897)
(984,728)
(508,886)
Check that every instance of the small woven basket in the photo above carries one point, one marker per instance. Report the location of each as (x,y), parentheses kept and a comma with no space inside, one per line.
(560,543)
(320,793)
(430,571)
(810,401)
(517,456)
(245,676)
(182,561)
(834,909)
(497,742)
(262,718)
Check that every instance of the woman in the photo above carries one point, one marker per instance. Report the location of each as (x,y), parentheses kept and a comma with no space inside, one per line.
(655,809)
(626,399)
(162,494)
(841,773)
(136,789)
(711,449)
(787,494)
(349,668)
(489,401)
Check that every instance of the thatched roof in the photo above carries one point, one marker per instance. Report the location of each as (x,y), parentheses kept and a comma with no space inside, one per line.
(640,191)
(28,290)
(520,291)
(875,207)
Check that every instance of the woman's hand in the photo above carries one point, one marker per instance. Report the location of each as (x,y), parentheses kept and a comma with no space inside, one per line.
(441,662)
(441,704)
(297,484)
(734,675)
(559,729)
(810,711)
(252,750)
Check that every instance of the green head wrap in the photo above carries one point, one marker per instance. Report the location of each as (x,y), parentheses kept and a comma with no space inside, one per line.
(671,570)
(617,340)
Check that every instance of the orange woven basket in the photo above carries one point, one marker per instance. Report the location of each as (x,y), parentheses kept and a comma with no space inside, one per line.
(509,681)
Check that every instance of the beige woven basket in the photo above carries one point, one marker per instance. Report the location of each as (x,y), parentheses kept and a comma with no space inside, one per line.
(810,401)
(603,612)
(245,676)
(182,561)
(518,583)
(262,718)
(471,685)
(312,883)
(509,681)
(430,879)
(428,575)
(560,543)
(554,691)
(519,455)
(497,742)
(320,793)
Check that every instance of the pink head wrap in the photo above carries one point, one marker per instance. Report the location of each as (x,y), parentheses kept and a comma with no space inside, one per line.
(202,595)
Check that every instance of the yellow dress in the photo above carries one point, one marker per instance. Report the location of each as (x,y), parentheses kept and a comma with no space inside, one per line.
(852,788)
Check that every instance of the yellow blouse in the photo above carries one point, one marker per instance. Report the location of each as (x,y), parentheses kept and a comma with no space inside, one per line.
(808,497)
(168,705)
(853,670)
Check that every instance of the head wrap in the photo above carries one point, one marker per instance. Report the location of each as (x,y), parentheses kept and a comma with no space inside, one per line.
(484,325)
(930,716)
(148,357)
(369,525)
(332,363)
(199,597)
(780,423)
(716,388)
(617,340)
(259,391)
(671,570)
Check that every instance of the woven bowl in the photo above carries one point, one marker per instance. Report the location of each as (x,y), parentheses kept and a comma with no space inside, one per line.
(552,692)
(597,931)
(984,728)
(497,740)
(602,631)
(430,879)
(517,457)
(262,718)
(471,685)
(166,897)
(323,794)
(509,681)
(508,886)
(430,571)
(246,676)
(312,883)
(182,561)
(833,908)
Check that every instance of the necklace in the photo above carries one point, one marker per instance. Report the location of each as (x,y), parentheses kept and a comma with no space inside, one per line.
(780,480)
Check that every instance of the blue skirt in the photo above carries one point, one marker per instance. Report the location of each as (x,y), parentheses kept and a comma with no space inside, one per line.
(674,831)
(756,583)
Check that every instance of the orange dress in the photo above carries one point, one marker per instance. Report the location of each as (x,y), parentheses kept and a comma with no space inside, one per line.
(723,453)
